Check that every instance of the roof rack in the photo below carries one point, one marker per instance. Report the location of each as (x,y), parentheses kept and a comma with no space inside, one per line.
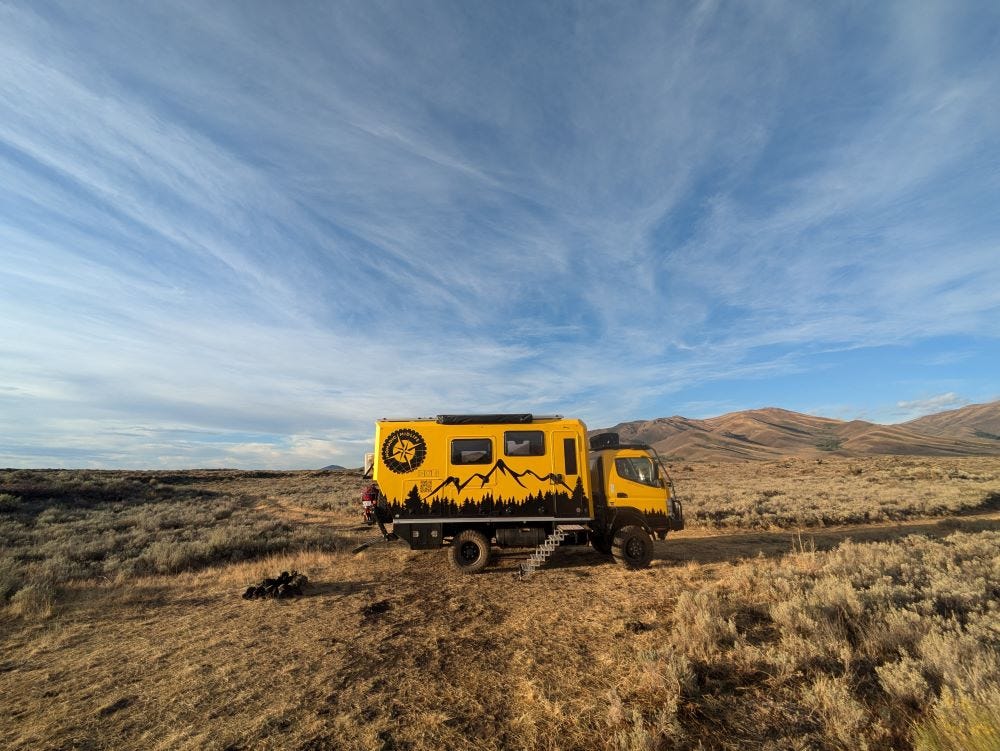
(498,419)
(513,419)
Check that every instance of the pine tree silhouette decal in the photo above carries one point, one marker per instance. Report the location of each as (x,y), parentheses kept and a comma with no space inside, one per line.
(578,500)
(413,504)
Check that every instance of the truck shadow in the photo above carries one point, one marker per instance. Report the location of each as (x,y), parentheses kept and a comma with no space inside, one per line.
(719,548)
(506,561)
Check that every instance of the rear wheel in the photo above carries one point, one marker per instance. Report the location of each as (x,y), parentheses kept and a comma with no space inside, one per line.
(632,547)
(469,552)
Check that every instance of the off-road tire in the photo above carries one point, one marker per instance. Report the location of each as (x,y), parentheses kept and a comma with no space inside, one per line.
(469,552)
(632,547)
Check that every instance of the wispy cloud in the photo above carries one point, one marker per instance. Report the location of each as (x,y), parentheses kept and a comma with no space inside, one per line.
(264,227)
(914,408)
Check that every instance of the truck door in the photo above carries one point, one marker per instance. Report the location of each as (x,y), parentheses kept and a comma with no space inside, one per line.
(635,481)
(570,464)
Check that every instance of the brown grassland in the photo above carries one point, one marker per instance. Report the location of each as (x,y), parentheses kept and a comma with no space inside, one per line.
(811,604)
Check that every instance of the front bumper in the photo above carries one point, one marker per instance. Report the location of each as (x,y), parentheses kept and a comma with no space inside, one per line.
(676,518)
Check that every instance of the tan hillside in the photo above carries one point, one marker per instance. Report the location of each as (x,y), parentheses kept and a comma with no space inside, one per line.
(770,433)
(978,421)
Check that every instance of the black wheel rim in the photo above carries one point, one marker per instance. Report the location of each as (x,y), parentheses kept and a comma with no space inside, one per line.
(635,549)
(469,553)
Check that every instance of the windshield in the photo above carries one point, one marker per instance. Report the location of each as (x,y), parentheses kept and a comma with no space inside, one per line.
(638,469)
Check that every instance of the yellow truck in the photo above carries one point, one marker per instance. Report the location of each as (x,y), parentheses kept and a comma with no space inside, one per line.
(468,482)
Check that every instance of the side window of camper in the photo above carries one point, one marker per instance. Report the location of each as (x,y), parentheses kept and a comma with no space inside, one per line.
(569,454)
(524,443)
(471,451)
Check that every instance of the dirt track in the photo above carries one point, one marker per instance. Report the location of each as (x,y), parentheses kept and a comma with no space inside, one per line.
(715,546)
(698,545)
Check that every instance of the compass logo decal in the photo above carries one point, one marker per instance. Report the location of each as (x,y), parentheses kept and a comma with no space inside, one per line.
(404,450)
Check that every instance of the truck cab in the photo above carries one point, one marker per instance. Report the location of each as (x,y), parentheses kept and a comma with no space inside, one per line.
(631,488)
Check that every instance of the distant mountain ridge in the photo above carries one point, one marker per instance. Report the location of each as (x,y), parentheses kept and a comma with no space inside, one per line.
(771,433)
(974,421)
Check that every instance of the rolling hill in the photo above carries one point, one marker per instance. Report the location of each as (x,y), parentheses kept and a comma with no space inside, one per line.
(979,421)
(771,433)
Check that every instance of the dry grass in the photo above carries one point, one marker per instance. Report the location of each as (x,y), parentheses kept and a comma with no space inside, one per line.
(817,493)
(60,526)
(818,643)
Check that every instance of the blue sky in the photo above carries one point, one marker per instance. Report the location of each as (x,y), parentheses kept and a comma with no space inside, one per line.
(234,234)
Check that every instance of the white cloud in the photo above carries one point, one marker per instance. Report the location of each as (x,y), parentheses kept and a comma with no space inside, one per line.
(290,223)
(914,408)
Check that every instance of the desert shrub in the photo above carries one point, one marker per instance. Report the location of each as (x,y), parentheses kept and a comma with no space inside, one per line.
(842,715)
(700,623)
(34,601)
(639,734)
(800,493)
(644,710)
(935,615)
(57,515)
(866,645)
(78,525)
(961,722)
(905,682)
(10,578)
(57,569)
(220,546)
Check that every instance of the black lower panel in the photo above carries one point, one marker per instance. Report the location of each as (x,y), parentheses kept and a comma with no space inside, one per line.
(420,536)
(520,537)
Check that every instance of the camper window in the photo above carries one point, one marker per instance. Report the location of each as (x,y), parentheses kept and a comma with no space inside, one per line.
(524,443)
(471,451)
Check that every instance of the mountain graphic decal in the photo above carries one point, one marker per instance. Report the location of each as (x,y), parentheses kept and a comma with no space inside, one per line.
(501,467)
(545,501)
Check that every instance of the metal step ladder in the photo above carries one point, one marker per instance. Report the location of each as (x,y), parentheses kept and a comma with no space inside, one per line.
(535,561)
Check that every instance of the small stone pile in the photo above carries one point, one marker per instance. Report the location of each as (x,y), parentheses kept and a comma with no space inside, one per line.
(288,584)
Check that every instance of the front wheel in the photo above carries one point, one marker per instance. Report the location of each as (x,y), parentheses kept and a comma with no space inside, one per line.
(469,552)
(632,547)
(601,544)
